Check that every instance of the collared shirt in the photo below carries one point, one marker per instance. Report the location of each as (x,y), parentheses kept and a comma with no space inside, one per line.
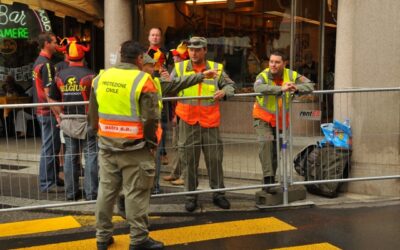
(303,84)
(43,77)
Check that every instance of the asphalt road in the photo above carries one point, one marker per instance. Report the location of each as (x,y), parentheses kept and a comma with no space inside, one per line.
(376,227)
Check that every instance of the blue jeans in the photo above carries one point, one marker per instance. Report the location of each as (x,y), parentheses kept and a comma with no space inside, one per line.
(73,148)
(49,165)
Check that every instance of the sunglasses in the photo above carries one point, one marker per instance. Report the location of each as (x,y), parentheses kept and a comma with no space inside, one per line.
(197,43)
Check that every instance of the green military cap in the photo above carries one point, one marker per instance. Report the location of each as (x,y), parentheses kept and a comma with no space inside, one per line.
(197,42)
(147,59)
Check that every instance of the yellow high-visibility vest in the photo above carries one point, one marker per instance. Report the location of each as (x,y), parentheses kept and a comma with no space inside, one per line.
(265,106)
(204,111)
(117,94)
(267,103)
(208,86)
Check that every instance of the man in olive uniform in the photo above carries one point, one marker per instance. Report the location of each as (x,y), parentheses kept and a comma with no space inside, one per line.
(199,122)
(274,81)
(167,87)
(124,107)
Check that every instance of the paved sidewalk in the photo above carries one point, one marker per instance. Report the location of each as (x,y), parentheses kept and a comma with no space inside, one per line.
(240,155)
(242,200)
(19,163)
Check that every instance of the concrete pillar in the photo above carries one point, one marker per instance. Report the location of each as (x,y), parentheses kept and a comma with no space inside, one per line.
(117,28)
(368,55)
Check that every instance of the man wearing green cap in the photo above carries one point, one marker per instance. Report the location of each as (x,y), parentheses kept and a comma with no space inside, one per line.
(199,121)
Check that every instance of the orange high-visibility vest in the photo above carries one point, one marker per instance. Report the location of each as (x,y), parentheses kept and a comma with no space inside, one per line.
(117,93)
(265,106)
(206,111)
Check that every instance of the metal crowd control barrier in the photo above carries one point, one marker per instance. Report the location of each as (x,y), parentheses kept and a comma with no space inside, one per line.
(241,162)
(374,131)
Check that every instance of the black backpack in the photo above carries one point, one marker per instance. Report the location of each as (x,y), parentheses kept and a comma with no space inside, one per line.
(315,163)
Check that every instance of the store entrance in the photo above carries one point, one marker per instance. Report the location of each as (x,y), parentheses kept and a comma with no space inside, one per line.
(242,34)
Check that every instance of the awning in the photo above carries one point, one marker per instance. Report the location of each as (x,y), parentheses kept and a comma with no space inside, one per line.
(82,10)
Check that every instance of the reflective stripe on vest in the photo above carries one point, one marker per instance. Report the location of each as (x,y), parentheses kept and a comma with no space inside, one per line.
(208,86)
(204,111)
(157,84)
(267,103)
(265,106)
(117,93)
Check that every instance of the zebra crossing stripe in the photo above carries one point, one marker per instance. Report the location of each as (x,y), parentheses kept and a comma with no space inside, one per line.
(317,246)
(38,226)
(189,234)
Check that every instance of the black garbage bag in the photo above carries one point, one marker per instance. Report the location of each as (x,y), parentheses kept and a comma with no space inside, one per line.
(326,163)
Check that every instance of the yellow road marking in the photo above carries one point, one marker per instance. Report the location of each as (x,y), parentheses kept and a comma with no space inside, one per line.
(188,234)
(37,226)
(90,220)
(220,230)
(318,246)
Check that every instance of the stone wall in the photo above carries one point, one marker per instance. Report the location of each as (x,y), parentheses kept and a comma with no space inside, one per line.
(368,55)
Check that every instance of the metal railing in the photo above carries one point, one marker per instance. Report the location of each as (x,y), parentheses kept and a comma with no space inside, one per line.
(240,162)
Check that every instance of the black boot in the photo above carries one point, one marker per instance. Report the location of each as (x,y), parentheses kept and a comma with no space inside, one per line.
(104,245)
(269,180)
(149,244)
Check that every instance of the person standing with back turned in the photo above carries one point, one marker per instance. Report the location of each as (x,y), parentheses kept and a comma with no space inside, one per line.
(124,107)
(73,84)
(166,87)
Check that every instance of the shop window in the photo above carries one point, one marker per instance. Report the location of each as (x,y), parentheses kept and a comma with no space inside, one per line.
(243,35)
(19,27)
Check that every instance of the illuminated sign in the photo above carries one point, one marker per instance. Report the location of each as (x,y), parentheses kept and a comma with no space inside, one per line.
(14,33)
(20,22)
(19,28)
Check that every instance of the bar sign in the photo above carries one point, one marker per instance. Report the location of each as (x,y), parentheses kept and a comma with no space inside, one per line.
(314,115)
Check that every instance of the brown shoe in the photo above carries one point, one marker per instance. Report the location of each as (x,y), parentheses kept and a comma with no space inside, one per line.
(169,178)
(164,160)
(178,182)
